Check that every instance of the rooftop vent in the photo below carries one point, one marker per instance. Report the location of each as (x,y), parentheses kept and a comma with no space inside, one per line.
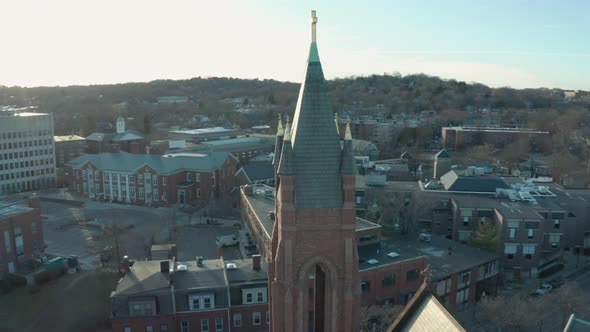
(181,268)
(199,260)
(231,266)
(393,254)
(425,237)
(164,266)
(372,261)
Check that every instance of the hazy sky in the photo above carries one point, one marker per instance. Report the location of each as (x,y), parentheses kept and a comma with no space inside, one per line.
(500,43)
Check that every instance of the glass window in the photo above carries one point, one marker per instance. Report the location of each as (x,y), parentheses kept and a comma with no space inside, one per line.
(204,325)
(218,324)
(256,318)
(237,320)
(184,327)
(249,298)
(388,280)
(259,297)
(163,328)
(163,180)
(412,275)
(365,286)
(149,328)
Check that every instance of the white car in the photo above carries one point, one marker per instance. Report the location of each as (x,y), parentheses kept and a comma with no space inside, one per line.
(226,241)
(544,289)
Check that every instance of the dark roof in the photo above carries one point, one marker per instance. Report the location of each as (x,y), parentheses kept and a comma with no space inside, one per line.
(424,313)
(208,279)
(143,277)
(166,164)
(316,143)
(452,181)
(257,172)
(100,137)
(442,154)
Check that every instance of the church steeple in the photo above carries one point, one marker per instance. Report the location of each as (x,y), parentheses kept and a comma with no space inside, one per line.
(315,140)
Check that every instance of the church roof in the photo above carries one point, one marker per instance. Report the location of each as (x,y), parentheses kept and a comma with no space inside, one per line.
(315,142)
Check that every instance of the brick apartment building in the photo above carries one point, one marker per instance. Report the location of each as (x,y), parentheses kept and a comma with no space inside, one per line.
(208,296)
(21,235)
(457,138)
(530,237)
(157,180)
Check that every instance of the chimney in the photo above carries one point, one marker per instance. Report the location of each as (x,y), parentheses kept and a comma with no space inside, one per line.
(256,262)
(165,267)
(125,264)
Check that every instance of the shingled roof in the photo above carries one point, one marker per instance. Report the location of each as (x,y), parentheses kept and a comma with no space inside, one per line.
(315,141)
(166,164)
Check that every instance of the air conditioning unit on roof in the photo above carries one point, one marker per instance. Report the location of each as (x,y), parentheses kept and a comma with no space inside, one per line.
(425,237)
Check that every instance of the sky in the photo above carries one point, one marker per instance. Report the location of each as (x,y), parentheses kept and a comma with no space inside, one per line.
(514,43)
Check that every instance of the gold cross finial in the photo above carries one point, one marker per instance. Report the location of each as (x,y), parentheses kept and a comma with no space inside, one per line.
(314,21)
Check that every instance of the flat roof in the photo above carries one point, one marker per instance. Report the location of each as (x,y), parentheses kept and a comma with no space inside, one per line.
(68,138)
(12,209)
(436,251)
(498,130)
(263,204)
(202,131)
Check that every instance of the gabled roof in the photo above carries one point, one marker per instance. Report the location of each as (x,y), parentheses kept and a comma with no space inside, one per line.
(425,313)
(442,154)
(144,277)
(258,172)
(166,164)
(100,137)
(315,141)
(129,135)
(478,183)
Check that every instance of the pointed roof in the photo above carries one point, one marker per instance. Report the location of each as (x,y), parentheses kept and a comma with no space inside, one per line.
(315,140)
(442,154)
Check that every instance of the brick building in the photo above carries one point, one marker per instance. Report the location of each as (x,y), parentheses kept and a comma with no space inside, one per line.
(21,234)
(530,237)
(208,296)
(391,269)
(457,138)
(159,180)
(27,158)
(123,139)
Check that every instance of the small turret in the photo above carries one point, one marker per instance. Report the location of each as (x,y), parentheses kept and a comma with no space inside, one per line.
(348,164)
(278,143)
(286,162)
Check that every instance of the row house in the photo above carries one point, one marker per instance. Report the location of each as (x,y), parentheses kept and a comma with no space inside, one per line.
(21,235)
(202,295)
(156,180)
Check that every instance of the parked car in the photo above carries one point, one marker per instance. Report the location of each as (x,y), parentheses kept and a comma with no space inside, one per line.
(556,283)
(544,289)
(226,241)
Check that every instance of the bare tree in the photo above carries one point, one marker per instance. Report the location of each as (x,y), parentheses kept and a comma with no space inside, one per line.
(377,318)
(401,210)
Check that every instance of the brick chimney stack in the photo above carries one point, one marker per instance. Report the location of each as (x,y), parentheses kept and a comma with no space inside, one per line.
(256,262)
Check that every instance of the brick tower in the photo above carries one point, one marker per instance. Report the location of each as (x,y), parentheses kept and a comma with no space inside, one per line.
(313,269)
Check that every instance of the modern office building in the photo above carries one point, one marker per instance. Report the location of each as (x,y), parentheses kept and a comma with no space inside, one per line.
(27,159)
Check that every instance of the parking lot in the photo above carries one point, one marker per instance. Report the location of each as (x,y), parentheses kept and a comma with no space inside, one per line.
(199,240)
(85,230)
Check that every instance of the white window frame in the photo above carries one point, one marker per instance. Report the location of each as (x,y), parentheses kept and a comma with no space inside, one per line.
(237,320)
(198,176)
(204,325)
(510,248)
(155,180)
(163,180)
(218,324)
(256,316)
(184,326)
(201,301)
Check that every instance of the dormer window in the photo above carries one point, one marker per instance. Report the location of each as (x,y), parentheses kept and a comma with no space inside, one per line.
(201,301)
(254,295)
